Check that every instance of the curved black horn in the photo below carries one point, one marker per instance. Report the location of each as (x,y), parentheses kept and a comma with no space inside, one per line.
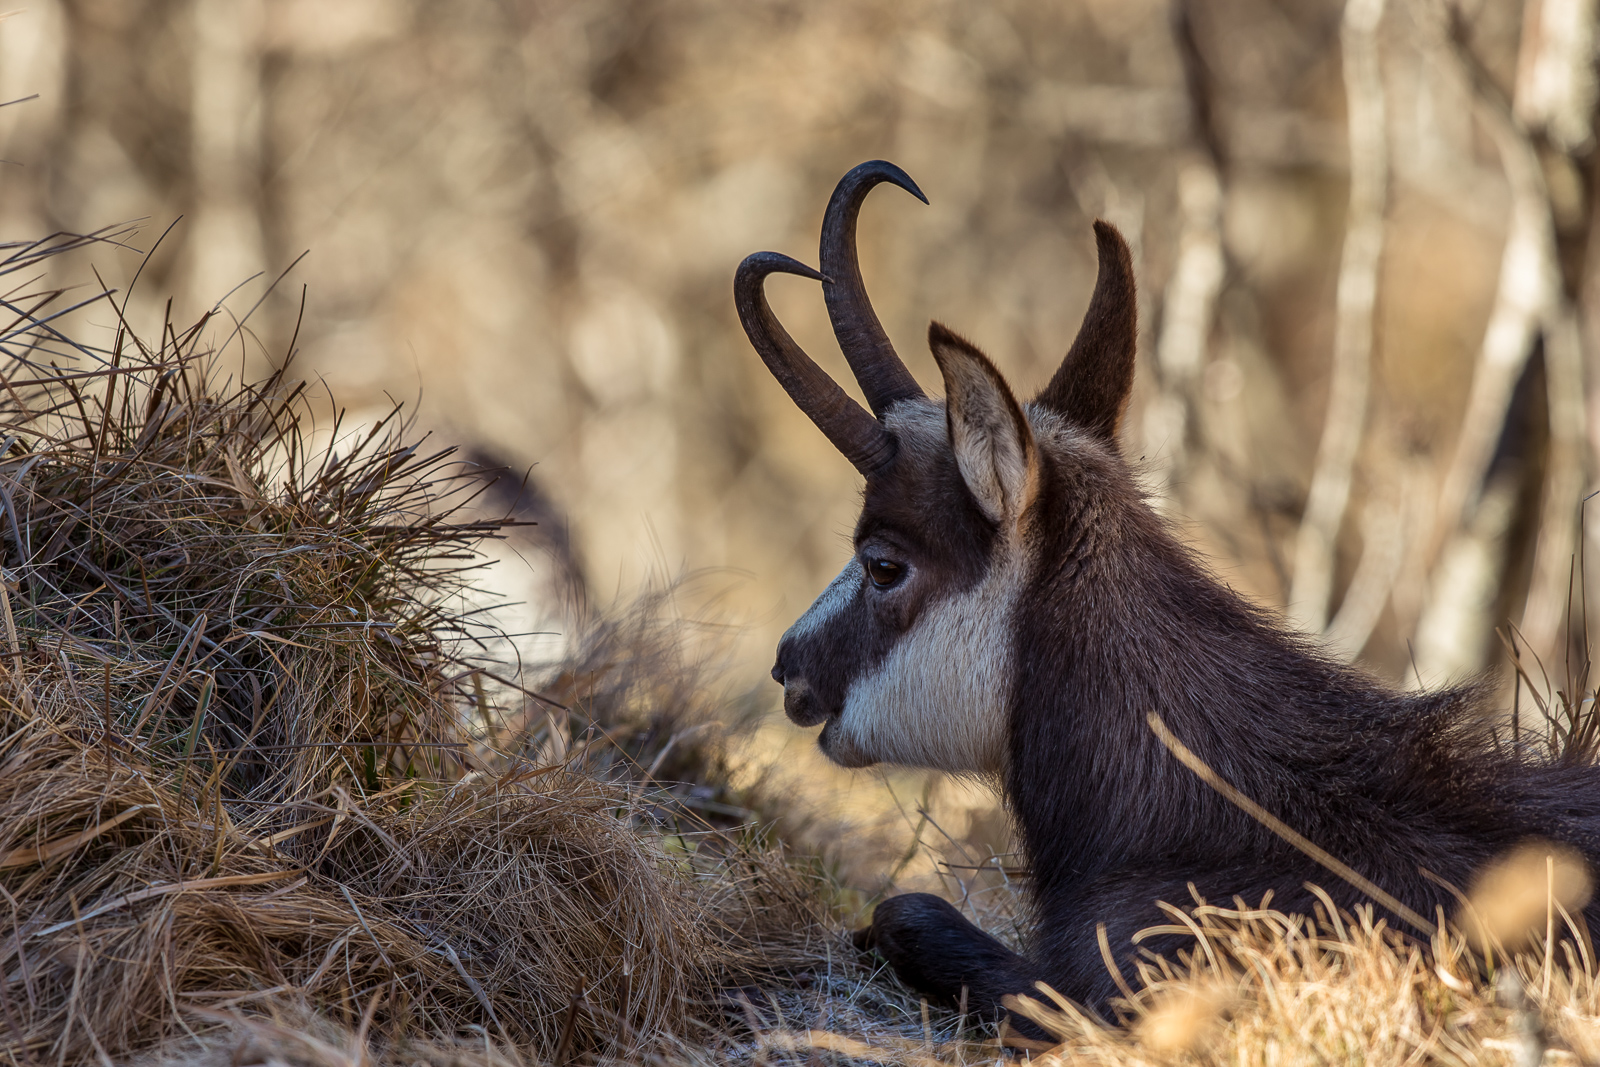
(862,439)
(1094,381)
(884,379)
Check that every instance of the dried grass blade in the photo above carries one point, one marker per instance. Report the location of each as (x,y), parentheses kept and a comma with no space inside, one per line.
(448,951)
(362,919)
(271,841)
(23,857)
(165,890)
(157,694)
(1336,866)
(11,624)
(206,689)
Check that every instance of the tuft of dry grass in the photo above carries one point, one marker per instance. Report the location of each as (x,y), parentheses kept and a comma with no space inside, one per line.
(198,576)
(526,905)
(252,758)
(1259,987)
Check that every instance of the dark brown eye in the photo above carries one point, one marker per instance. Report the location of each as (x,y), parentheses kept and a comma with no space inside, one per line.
(883,572)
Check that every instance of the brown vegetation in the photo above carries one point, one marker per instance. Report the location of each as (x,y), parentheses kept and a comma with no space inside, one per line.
(254,749)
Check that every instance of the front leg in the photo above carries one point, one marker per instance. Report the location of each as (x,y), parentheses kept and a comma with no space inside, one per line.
(941,955)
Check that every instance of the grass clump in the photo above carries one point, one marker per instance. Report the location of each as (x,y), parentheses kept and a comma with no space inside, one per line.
(178,545)
(249,726)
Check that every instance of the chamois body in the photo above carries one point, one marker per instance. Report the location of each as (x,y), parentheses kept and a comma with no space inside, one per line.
(1016,610)
(1392,784)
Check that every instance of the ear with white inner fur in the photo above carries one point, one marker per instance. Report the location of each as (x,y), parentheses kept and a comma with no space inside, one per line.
(993,443)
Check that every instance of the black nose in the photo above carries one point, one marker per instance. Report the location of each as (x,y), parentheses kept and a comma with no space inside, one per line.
(777,672)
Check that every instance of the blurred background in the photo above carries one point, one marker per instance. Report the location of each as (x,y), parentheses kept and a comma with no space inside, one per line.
(1370,324)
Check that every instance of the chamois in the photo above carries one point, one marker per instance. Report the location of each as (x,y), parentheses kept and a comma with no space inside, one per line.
(1015,610)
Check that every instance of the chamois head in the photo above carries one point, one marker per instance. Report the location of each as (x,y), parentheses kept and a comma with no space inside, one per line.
(907,657)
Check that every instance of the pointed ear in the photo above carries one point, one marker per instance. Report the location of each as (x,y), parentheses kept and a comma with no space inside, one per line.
(992,440)
(1091,386)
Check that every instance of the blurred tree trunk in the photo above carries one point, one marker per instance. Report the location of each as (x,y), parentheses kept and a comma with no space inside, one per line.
(1356,299)
(1533,308)
(1189,301)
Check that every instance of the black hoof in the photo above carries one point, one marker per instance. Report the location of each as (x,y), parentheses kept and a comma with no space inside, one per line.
(941,955)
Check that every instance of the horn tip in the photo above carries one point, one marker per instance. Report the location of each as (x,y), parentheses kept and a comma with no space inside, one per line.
(761,264)
(883,170)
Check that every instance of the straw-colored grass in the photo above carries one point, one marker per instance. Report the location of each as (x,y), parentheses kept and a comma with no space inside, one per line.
(250,742)
(1264,988)
(530,908)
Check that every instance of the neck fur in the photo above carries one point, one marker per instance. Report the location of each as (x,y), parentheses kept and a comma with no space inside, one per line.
(1134,624)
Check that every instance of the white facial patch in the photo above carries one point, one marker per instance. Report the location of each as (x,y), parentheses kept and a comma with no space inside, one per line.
(833,600)
(939,698)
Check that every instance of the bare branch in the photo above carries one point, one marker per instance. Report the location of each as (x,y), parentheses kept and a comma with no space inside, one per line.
(1382,550)
(1550,590)
(1356,298)
(1188,306)
(1556,97)
(1555,91)
(1528,296)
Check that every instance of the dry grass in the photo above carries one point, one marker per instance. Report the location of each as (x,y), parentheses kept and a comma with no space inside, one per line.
(1264,989)
(1261,987)
(254,761)
(530,906)
(648,677)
